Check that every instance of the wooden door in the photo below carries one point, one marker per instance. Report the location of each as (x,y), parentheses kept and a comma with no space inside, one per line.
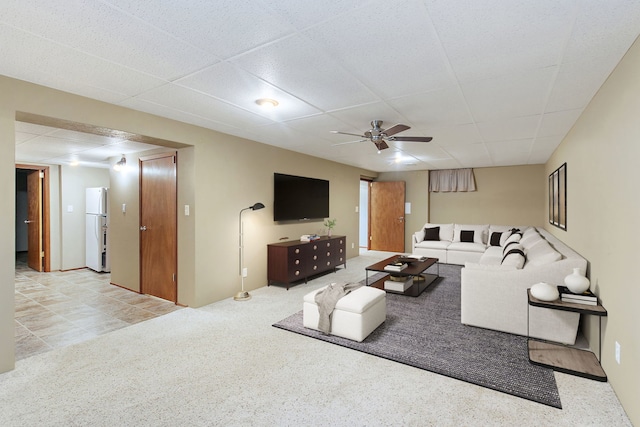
(386,216)
(34,220)
(158,227)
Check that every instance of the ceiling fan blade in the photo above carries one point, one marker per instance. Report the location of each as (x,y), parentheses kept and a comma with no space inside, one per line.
(411,139)
(396,129)
(381,145)
(347,133)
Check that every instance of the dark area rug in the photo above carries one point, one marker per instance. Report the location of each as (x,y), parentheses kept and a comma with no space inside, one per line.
(425,332)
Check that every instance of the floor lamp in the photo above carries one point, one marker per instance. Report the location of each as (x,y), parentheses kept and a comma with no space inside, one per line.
(244,295)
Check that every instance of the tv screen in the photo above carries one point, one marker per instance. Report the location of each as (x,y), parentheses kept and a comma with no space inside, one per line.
(297,198)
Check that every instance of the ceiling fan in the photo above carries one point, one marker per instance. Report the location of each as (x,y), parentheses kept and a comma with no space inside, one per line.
(380,136)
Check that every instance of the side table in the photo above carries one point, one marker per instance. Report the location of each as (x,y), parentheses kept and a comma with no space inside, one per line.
(564,358)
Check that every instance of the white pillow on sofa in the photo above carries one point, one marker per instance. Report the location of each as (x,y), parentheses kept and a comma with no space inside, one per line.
(514,255)
(479,232)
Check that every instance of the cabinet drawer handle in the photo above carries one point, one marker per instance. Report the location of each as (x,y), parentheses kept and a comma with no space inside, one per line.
(328,244)
(340,250)
(297,261)
(315,257)
(315,247)
(297,250)
(328,262)
(328,253)
(297,273)
(315,267)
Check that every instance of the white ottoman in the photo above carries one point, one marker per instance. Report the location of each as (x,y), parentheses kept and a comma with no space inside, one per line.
(356,315)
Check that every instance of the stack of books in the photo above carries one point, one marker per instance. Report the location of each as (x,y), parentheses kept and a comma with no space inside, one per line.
(396,266)
(398,283)
(586,297)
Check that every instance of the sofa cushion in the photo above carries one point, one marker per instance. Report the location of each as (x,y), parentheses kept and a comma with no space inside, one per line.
(432,233)
(467,247)
(528,240)
(542,253)
(433,244)
(492,256)
(480,266)
(479,232)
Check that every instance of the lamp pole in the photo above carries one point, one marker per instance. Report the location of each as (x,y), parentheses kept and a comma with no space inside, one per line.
(243,295)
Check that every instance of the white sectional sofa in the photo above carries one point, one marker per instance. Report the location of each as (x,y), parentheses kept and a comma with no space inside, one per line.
(495,277)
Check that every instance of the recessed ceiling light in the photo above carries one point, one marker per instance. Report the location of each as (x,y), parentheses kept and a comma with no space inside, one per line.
(267,102)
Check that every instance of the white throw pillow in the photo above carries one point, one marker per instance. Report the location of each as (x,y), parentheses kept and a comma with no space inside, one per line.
(514,257)
(513,238)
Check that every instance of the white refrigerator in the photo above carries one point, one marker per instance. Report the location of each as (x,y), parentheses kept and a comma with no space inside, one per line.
(97,223)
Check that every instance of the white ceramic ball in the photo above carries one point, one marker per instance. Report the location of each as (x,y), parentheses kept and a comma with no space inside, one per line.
(545,292)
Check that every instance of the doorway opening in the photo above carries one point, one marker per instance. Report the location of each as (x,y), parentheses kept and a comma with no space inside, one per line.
(32,227)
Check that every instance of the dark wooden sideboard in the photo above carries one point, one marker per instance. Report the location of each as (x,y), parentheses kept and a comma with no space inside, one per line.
(294,260)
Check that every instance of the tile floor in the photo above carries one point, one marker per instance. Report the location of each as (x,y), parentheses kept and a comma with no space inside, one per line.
(57,309)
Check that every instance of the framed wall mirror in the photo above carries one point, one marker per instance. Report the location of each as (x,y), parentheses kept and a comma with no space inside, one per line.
(558,197)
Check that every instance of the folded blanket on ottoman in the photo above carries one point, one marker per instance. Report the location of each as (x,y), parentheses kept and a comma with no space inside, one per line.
(327,298)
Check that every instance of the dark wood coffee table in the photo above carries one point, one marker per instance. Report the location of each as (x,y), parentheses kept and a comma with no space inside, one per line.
(416,269)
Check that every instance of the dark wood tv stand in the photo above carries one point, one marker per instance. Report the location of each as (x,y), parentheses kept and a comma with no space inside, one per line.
(292,261)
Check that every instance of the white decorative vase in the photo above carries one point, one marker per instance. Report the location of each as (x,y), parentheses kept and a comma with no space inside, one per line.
(329,232)
(576,282)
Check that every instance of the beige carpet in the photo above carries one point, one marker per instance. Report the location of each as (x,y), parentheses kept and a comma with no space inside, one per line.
(225,364)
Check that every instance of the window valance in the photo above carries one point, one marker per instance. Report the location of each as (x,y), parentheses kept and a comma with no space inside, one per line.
(451,180)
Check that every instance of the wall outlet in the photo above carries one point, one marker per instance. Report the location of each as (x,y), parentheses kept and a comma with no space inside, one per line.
(618,352)
(186,210)
(353,245)
(244,272)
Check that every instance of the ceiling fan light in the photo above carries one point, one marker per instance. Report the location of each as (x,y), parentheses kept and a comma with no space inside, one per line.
(267,102)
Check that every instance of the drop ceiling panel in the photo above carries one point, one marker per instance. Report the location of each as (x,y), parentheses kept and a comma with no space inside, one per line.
(115,36)
(391,62)
(452,135)
(202,105)
(517,95)
(359,118)
(558,123)
(223,27)
(506,152)
(305,13)
(578,81)
(239,88)
(44,62)
(486,39)
(299,67)
(510,128)
(444,107)
(603,29)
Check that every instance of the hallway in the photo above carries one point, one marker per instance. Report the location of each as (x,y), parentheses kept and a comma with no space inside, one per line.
(58,309)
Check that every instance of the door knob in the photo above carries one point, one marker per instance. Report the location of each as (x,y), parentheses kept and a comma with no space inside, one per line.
(143,228)
(26,221)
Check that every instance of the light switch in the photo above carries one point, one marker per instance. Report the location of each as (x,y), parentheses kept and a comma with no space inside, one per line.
(69,208)
(186,210)
(124,208)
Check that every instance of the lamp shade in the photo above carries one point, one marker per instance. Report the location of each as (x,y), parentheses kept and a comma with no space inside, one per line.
(257,206)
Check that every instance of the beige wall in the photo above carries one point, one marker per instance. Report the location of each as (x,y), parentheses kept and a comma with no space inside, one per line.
(219,175)
(73,182)
(603,208)
(513,195)
(416,193)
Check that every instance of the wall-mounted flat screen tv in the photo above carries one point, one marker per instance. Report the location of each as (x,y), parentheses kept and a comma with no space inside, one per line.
(299,198)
